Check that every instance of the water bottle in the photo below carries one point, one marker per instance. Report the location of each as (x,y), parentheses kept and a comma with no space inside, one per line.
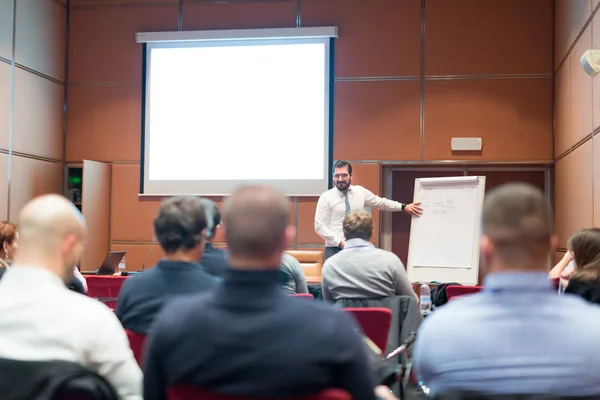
(122,265)
(425,299)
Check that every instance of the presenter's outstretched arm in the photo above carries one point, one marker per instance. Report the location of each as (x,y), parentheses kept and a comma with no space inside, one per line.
(372,200)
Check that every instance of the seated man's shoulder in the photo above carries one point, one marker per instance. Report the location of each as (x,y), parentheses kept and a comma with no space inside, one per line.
(86,309)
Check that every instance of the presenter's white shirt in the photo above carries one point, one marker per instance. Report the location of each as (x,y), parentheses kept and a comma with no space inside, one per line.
(331,210)
(42,320)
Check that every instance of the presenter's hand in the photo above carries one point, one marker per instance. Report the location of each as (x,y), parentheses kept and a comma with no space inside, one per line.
(413,209)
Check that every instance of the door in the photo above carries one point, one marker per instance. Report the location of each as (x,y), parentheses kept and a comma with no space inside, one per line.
(95,207)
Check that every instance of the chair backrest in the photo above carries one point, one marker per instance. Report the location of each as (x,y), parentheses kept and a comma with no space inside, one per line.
(375,323)
(104,286)
(468,395)
(311,262)
(182,392)
(137,343)
(456,291)
(303,295)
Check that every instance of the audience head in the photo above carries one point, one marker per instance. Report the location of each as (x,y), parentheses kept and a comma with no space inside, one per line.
(8,240)
(358,224)
(517,229)
(257,227)
(213,218)
(342,174)
(180,227)
(52,234)
(585,247)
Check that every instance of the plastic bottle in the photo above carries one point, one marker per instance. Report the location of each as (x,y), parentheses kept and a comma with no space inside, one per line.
(425,299)
(122,265)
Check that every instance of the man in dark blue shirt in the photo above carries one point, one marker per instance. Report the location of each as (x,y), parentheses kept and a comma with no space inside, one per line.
(248,337)
(214,260)
(179,228)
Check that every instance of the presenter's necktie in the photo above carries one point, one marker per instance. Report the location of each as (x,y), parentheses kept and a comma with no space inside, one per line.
(347,200)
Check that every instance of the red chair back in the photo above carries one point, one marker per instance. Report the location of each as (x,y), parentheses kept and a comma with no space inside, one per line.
(456,291)
(105,286)
(181,392)
(303,295)
(137,342)
(375,322)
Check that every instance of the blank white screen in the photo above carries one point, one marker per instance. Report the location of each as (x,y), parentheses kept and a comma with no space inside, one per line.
(220,114)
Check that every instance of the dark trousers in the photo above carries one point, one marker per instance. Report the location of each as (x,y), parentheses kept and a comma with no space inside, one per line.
(330,251)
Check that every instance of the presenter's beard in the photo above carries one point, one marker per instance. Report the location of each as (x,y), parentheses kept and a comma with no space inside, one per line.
(342,185)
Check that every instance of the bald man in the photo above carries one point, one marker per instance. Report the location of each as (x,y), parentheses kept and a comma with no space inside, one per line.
(248,337)
(40,319)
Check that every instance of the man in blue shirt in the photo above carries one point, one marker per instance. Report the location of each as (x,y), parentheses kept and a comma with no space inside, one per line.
(516,336)
(179,228)
(248,337)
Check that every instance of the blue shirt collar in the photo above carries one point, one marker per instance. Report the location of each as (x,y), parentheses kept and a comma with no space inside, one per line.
(354,243)
(517,282)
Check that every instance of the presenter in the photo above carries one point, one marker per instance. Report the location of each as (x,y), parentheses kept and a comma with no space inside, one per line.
(335,203)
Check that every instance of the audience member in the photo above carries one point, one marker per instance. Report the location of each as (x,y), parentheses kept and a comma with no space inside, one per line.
(516,336)
(8,244)
(214,260)
(41,319)
(584,252)
(360,270)
(292,279)
(179,228)
(248,337)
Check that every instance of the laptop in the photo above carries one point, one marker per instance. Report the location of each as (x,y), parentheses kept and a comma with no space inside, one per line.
(111,263)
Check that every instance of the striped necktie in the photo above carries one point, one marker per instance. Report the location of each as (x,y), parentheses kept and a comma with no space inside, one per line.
(347,201)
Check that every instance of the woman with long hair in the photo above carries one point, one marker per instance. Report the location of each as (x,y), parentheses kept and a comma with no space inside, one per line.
(584,251)
(8,244)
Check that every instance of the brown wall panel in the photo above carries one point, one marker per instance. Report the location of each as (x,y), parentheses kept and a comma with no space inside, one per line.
(595,82)
(135,254)
(5,83)
(562,109)
(562,30)
(104,123)
(31,178)
(118,2)
(596,174)
(366,175)
(377,120)
(250,15)
(38,116)
(579,13)
(513,117)
(558,255)
(516,37)
(377,37)
(4,186)
(581,180)
(6,28)
(581,90)
(40,39)
(131,217)
(562,216)
(99,54)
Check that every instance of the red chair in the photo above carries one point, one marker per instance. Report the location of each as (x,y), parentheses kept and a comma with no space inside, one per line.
(137,341)
(181,392)
(303,295)
(375,323)
(456,291)
(105,287)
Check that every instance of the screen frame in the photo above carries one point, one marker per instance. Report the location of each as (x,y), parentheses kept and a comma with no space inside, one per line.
(300,188)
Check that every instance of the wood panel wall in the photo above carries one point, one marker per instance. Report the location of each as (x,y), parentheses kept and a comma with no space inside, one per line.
(409,76)
(577,120)
(32,101)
